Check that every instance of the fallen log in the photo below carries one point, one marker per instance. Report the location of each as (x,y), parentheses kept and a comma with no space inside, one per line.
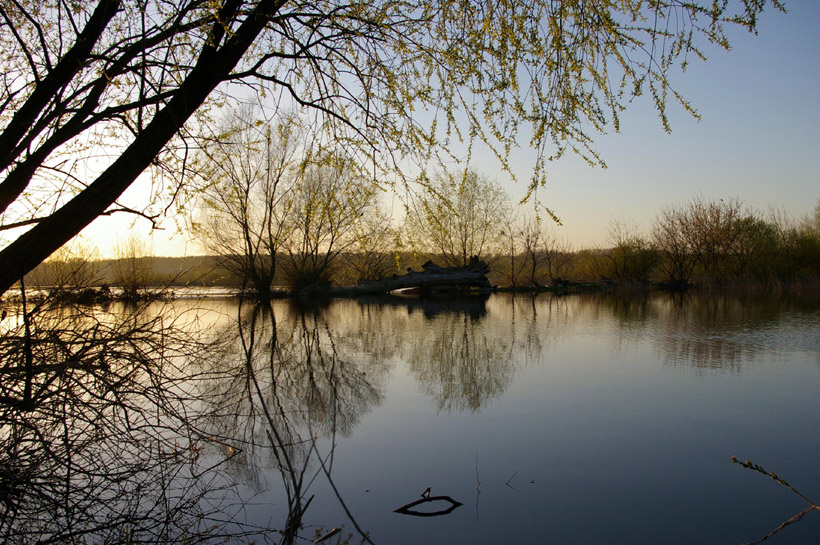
(432,277)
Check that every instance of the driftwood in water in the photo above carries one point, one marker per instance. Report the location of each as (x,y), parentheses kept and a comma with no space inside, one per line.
(408,509)
(431,278)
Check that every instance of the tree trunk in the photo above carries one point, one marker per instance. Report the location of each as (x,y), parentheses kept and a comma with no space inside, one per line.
(214,66)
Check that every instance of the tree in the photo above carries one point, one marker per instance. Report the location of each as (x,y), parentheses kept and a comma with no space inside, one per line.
(714,228)
(72,269)
(328,200)
(534,253)
(513,238)
(132,269)
(547,257)
(756,248)
(118,72)
(126,79)
(558,256)
(460,215)
(671,237)
(632,257)
(372,255)
(700,236)
(250,170)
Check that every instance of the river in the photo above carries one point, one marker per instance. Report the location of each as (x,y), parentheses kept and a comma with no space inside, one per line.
(577,419)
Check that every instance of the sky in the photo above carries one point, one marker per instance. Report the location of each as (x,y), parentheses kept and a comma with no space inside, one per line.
(758,140)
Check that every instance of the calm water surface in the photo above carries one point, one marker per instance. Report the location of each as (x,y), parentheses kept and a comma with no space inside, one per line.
(582,419)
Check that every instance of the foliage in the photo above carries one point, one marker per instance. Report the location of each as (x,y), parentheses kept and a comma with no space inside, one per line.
(272,199)
(328,200)
(590,264)
(132,269)
(248,170)
(372,255)
(756,249)
(800,251)
(95,94)
(717,241)
(459,215)
(632,257)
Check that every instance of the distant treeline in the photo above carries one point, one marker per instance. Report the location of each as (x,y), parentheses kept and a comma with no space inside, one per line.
(706,243)
(148,271)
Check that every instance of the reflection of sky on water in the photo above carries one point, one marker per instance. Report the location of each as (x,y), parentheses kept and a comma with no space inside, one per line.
(581,419)
(585,419)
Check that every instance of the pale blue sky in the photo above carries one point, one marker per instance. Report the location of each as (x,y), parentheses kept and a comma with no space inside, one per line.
(758,140)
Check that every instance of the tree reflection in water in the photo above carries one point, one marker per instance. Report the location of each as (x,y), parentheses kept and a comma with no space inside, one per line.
(289,388)
(125,425)
(97,443)
(139,424)
(462,363)
(711,332)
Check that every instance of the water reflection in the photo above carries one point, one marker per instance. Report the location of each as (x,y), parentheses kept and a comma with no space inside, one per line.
(289,387)
(125,425)
(721,332)
(95,442)
(714,332)
(459,358)
(461,364)
(472,305)
(143,424)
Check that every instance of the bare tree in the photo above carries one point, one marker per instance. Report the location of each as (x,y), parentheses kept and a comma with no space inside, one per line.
(458,215)
(73,268)
(700,236)
(131,269)
(558,255)
(101,74)
(678,254)
(372,255)
(632,257)
(528,250)
(125,78)
(714,228)
(328,200)
(547,257)
(245,206)
(510,248)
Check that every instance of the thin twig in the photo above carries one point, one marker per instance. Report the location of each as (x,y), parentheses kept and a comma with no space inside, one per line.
(510,479)
(794,519)
(748,464)
(477,480)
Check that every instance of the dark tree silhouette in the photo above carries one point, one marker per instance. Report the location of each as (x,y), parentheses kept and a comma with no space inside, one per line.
(126,78)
